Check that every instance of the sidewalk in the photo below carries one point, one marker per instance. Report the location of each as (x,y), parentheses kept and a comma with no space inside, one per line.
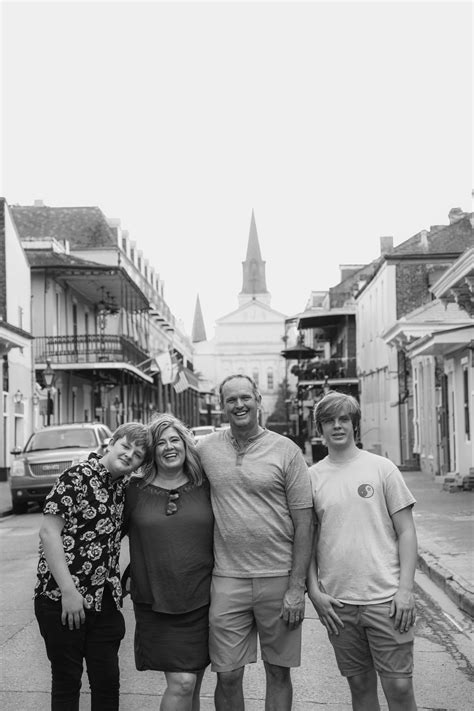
(445,528)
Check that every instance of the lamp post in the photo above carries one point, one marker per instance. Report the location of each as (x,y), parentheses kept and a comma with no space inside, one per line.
(208,409)
(48,376)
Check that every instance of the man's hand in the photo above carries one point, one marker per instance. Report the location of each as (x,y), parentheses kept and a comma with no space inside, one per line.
(324,605)
(403,609)
(73,608)
(292,609)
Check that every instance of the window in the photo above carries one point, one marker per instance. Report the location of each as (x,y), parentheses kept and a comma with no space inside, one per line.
(58,315)
(255,375)
(5,383)
(465,390)
(270,379)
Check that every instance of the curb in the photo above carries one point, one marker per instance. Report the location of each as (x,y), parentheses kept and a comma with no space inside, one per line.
(461,595)
(6,512)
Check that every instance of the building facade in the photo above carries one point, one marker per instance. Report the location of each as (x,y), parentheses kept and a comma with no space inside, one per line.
(249,339)
(19,402)
(99,321)
(386,311)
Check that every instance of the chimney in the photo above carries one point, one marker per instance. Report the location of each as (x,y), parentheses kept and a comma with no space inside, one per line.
(386,245)
(424,240)
(455,214)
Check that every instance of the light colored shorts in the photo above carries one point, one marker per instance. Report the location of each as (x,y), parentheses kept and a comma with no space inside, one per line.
(369,641)
(240,609)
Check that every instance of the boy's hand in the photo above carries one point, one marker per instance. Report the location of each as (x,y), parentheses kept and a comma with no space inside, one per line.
(73,608)
(324,605)
(403,609)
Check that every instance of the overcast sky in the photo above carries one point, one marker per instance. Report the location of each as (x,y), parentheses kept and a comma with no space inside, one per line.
(336,123)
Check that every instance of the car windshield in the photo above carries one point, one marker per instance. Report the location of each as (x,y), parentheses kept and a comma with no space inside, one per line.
(59,439)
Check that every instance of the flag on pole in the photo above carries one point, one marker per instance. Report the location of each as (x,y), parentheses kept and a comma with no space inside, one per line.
(181,383)
(167,367)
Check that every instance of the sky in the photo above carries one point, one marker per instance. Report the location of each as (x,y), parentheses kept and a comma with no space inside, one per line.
(337,123)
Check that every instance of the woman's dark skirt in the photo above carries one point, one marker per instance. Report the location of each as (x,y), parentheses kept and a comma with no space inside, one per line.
(172,643)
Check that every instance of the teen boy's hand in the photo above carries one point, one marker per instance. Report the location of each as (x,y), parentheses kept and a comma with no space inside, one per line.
(324,605)
(73,608)
(403,610)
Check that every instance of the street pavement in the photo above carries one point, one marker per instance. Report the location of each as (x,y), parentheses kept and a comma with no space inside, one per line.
(445,526)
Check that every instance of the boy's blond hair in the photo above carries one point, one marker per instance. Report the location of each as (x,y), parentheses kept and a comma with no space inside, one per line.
(334,404)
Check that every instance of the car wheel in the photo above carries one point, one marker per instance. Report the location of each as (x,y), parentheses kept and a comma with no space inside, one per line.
(20,507)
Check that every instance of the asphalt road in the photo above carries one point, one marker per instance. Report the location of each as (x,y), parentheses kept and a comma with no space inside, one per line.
(443,651)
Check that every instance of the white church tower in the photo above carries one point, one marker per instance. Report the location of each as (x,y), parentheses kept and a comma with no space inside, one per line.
(249,339)
(254,285)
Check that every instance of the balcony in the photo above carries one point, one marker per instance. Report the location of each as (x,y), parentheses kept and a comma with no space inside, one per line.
(334,368)
(97,348)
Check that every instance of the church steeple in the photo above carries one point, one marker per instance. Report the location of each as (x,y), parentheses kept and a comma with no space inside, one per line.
(254,286)
(199,331)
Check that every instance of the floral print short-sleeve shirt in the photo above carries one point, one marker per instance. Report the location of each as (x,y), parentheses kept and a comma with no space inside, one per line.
(92,506)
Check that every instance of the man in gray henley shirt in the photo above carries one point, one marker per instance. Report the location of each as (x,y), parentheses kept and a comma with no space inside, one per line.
(262,503)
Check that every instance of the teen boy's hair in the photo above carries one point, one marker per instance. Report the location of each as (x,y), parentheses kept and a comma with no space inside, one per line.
(333,405)
(136,433)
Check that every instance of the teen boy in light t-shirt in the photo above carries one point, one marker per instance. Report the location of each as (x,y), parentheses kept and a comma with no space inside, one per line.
(362,570)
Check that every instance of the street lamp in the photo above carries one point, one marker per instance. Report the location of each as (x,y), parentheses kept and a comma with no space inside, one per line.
(18,397)
(48,376)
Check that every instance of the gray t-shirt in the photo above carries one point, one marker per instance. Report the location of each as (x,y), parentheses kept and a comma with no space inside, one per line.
(252,492)
(357,549)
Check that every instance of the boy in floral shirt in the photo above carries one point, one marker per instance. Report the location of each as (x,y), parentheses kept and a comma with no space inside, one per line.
(78,593)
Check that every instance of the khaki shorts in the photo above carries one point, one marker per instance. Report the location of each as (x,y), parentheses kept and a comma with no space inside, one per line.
(240,609)
(369,641)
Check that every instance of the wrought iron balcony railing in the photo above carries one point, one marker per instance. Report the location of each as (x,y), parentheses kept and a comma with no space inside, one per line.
(95,348)
(332,368)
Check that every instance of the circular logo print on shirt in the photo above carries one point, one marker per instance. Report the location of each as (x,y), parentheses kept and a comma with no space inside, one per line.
(366,491)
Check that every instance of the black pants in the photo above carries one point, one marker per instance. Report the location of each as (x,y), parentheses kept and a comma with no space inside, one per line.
(97,642)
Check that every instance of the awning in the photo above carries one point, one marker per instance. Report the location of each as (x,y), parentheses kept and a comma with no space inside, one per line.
(100,366)
(324,317)
(12,337)
(299,352)
(443,343)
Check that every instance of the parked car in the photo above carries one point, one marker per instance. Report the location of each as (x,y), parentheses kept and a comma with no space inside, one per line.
(202,431)
(47,454)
